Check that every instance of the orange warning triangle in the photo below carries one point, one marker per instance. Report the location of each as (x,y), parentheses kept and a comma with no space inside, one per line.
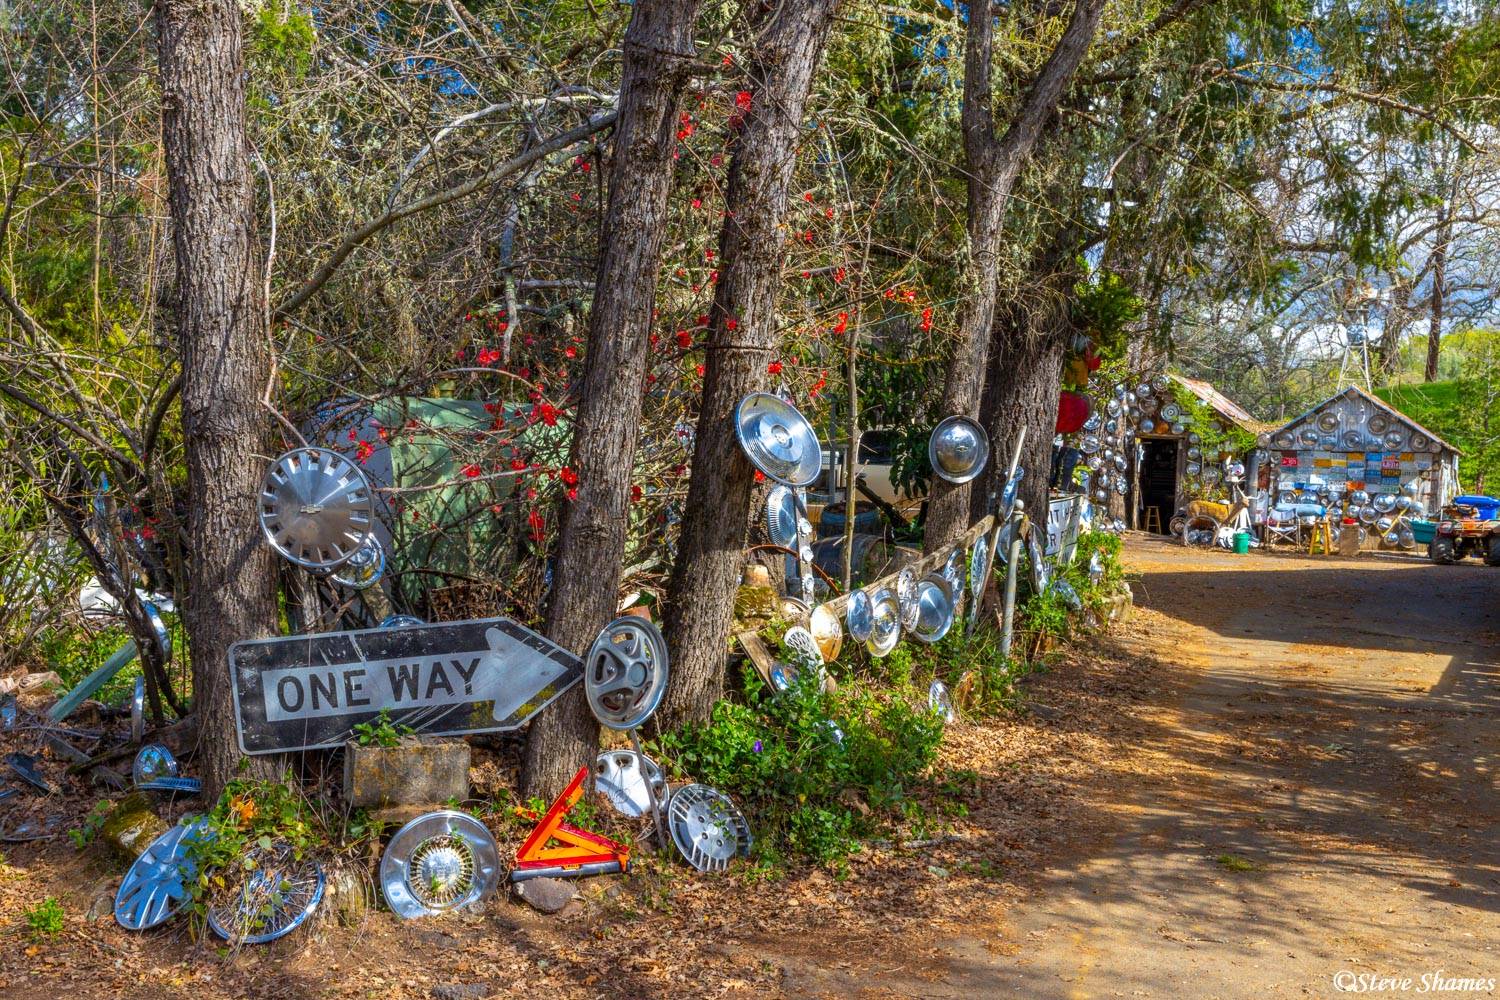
(581,847)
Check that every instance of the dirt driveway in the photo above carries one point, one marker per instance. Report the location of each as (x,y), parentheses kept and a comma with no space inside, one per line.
(1320,800)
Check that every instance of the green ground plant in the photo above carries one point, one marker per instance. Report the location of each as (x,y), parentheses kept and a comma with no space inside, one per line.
(46,919)
(818,770)
(249,815)
(84,835)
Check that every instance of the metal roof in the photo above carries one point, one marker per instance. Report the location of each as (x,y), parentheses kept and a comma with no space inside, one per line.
(1220,403)
(1355,390)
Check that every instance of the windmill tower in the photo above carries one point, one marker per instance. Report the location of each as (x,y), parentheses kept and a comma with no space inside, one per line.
(1361,307)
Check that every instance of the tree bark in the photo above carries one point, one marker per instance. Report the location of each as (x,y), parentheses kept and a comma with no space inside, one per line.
(1024,382)
(1439,285)
(658,55)
(993,167)
(225,359)
(742,341)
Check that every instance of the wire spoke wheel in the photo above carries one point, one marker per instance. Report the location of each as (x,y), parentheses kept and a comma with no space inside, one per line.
(275,896)
(438,862)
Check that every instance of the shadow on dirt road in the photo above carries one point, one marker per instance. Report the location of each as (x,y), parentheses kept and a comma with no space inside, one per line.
(1320,801)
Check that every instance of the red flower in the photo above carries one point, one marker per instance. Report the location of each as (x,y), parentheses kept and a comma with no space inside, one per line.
(570,352)
(730,324)
(926,323)
(742,100)
(684,339)
(842,324)
(538,525)
(760,477)
(699,370)
(568,476)
(774,367)
(573,494)
(472,471)
(635,494)
(364,451)
(516,465)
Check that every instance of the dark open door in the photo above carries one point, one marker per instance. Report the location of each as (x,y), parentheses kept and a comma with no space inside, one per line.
(1158,482)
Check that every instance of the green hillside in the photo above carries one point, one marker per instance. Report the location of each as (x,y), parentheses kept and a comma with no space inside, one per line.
(1448,410)
(1425,402)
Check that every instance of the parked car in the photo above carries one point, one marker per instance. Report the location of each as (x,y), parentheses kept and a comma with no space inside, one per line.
(874,468)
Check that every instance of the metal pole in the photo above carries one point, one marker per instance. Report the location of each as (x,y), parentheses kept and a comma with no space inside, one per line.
(1008,612)
(1015,461)
(657,815)
(849,463)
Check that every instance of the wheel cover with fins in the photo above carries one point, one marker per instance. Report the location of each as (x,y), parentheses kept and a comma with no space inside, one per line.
(621,775)
(156,887)
(316,508)
(707,827)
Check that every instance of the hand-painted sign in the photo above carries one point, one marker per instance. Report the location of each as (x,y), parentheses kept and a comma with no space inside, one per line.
(308,691)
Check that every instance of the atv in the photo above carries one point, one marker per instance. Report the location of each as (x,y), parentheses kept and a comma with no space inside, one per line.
(1466,529)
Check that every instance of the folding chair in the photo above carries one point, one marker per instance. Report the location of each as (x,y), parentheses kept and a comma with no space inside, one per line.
(1282,524)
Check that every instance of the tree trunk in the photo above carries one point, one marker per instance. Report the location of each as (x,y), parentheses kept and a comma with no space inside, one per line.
(993,168)
(741,343)
(1024,383)
(225,360)
(658,55)
(1439,287)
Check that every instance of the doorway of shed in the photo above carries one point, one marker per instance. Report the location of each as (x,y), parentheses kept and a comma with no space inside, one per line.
(1158,481)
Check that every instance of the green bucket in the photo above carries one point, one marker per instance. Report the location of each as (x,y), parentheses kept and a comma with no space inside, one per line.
(1242,542)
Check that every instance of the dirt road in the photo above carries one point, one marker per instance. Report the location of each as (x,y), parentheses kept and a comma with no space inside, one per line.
(1320,800)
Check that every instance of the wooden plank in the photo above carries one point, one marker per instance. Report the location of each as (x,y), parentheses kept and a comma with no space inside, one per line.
(760,656)
(921,567)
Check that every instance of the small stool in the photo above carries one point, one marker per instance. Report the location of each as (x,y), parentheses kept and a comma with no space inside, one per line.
(1322,537)
(1153,520)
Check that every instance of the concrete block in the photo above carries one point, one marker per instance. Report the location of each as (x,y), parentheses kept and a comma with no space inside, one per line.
(418,772)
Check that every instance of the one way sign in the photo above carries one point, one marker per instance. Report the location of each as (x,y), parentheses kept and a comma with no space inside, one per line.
(307,691)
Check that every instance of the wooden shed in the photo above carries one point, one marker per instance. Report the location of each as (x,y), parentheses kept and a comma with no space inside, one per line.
(1354,441)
